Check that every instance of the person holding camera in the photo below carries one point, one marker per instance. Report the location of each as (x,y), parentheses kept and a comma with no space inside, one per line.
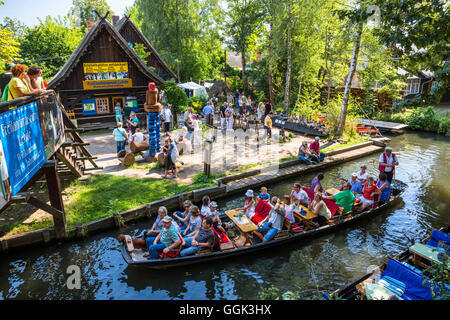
(273,223)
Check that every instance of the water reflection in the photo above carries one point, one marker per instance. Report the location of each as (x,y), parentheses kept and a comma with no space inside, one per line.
(326,263)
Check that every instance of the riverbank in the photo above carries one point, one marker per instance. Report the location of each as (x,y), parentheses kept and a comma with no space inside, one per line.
(108,214)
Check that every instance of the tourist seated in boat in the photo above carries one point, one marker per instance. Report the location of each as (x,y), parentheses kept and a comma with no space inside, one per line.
(149,236)
(362,175)
(157,225)
(214,214)
(299,196)
(345,198)
(168,239)
(249,204)
(201,239)
(204,211)
(194,223)
(314,148)
(305,155)
(318,207)
(182,217)
(316,186)
(357,187)
(385,188)
(288,206)
(370,190)
(273,223)
(264,195)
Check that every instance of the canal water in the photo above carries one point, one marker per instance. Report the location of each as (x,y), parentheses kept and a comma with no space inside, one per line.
(326,263)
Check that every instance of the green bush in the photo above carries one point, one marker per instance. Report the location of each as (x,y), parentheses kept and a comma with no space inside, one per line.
(197,103)
(428,119)
(176,97)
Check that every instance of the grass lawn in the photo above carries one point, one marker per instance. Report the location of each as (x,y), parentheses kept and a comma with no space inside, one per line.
(103,195)
(350,142)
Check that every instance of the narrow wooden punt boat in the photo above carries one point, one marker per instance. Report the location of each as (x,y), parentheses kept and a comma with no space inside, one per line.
(136,258)
(354,290)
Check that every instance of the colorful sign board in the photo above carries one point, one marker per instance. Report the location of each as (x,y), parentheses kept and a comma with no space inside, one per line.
(133,103)
(108,75)
(22,147)
(89,107)
(116,67)
(107,84)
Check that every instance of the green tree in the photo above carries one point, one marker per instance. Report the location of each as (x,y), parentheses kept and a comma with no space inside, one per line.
(50,43)
(15,26)
(242,26)
(419,31)
(176,97)
(185,33)
(9,46)
(142,53)
(85,9)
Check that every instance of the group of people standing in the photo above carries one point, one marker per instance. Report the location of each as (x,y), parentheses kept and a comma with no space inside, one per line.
(19,81)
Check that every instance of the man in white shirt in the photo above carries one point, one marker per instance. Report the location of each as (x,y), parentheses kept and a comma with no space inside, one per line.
(273,223)
(166,114)
(387,163)
(299,195)
(362,175)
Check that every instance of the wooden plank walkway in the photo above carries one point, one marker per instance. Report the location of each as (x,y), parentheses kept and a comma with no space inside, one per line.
(242,185)
(383,124)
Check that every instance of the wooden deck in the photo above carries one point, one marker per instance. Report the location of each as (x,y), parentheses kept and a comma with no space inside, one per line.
(383,125)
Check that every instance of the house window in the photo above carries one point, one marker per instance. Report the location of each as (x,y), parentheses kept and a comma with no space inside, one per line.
(413,86)
(102,105)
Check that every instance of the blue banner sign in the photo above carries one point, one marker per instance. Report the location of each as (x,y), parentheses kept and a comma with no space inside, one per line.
(23,145)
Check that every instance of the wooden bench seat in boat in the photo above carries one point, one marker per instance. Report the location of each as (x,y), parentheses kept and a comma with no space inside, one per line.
(282,234)
(206,250)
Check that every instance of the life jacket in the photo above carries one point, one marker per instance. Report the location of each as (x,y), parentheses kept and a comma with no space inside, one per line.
(382,168)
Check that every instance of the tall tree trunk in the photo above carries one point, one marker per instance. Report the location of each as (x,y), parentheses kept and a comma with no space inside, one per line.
(288,70)
(244,72)
(348,84)
(271,97)
(299,92)
(178,43)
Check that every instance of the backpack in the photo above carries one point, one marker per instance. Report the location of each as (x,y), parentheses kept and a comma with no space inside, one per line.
(5,93)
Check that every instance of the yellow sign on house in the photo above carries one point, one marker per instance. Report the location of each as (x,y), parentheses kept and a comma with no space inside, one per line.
(105,67)
(106,75)
(107,84)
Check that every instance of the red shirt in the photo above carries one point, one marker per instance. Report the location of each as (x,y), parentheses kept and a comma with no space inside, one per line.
(315,146)
(368,191)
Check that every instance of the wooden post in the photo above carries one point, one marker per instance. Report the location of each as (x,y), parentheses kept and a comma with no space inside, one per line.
(54,194)
(207,158)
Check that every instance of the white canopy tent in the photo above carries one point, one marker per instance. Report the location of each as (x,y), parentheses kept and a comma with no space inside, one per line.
(197,89)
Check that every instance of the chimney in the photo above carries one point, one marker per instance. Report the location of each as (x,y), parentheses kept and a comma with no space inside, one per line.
(89,23)
(115,19)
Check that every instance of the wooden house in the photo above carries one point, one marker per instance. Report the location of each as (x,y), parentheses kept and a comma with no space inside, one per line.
(131,33)
(102,72)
